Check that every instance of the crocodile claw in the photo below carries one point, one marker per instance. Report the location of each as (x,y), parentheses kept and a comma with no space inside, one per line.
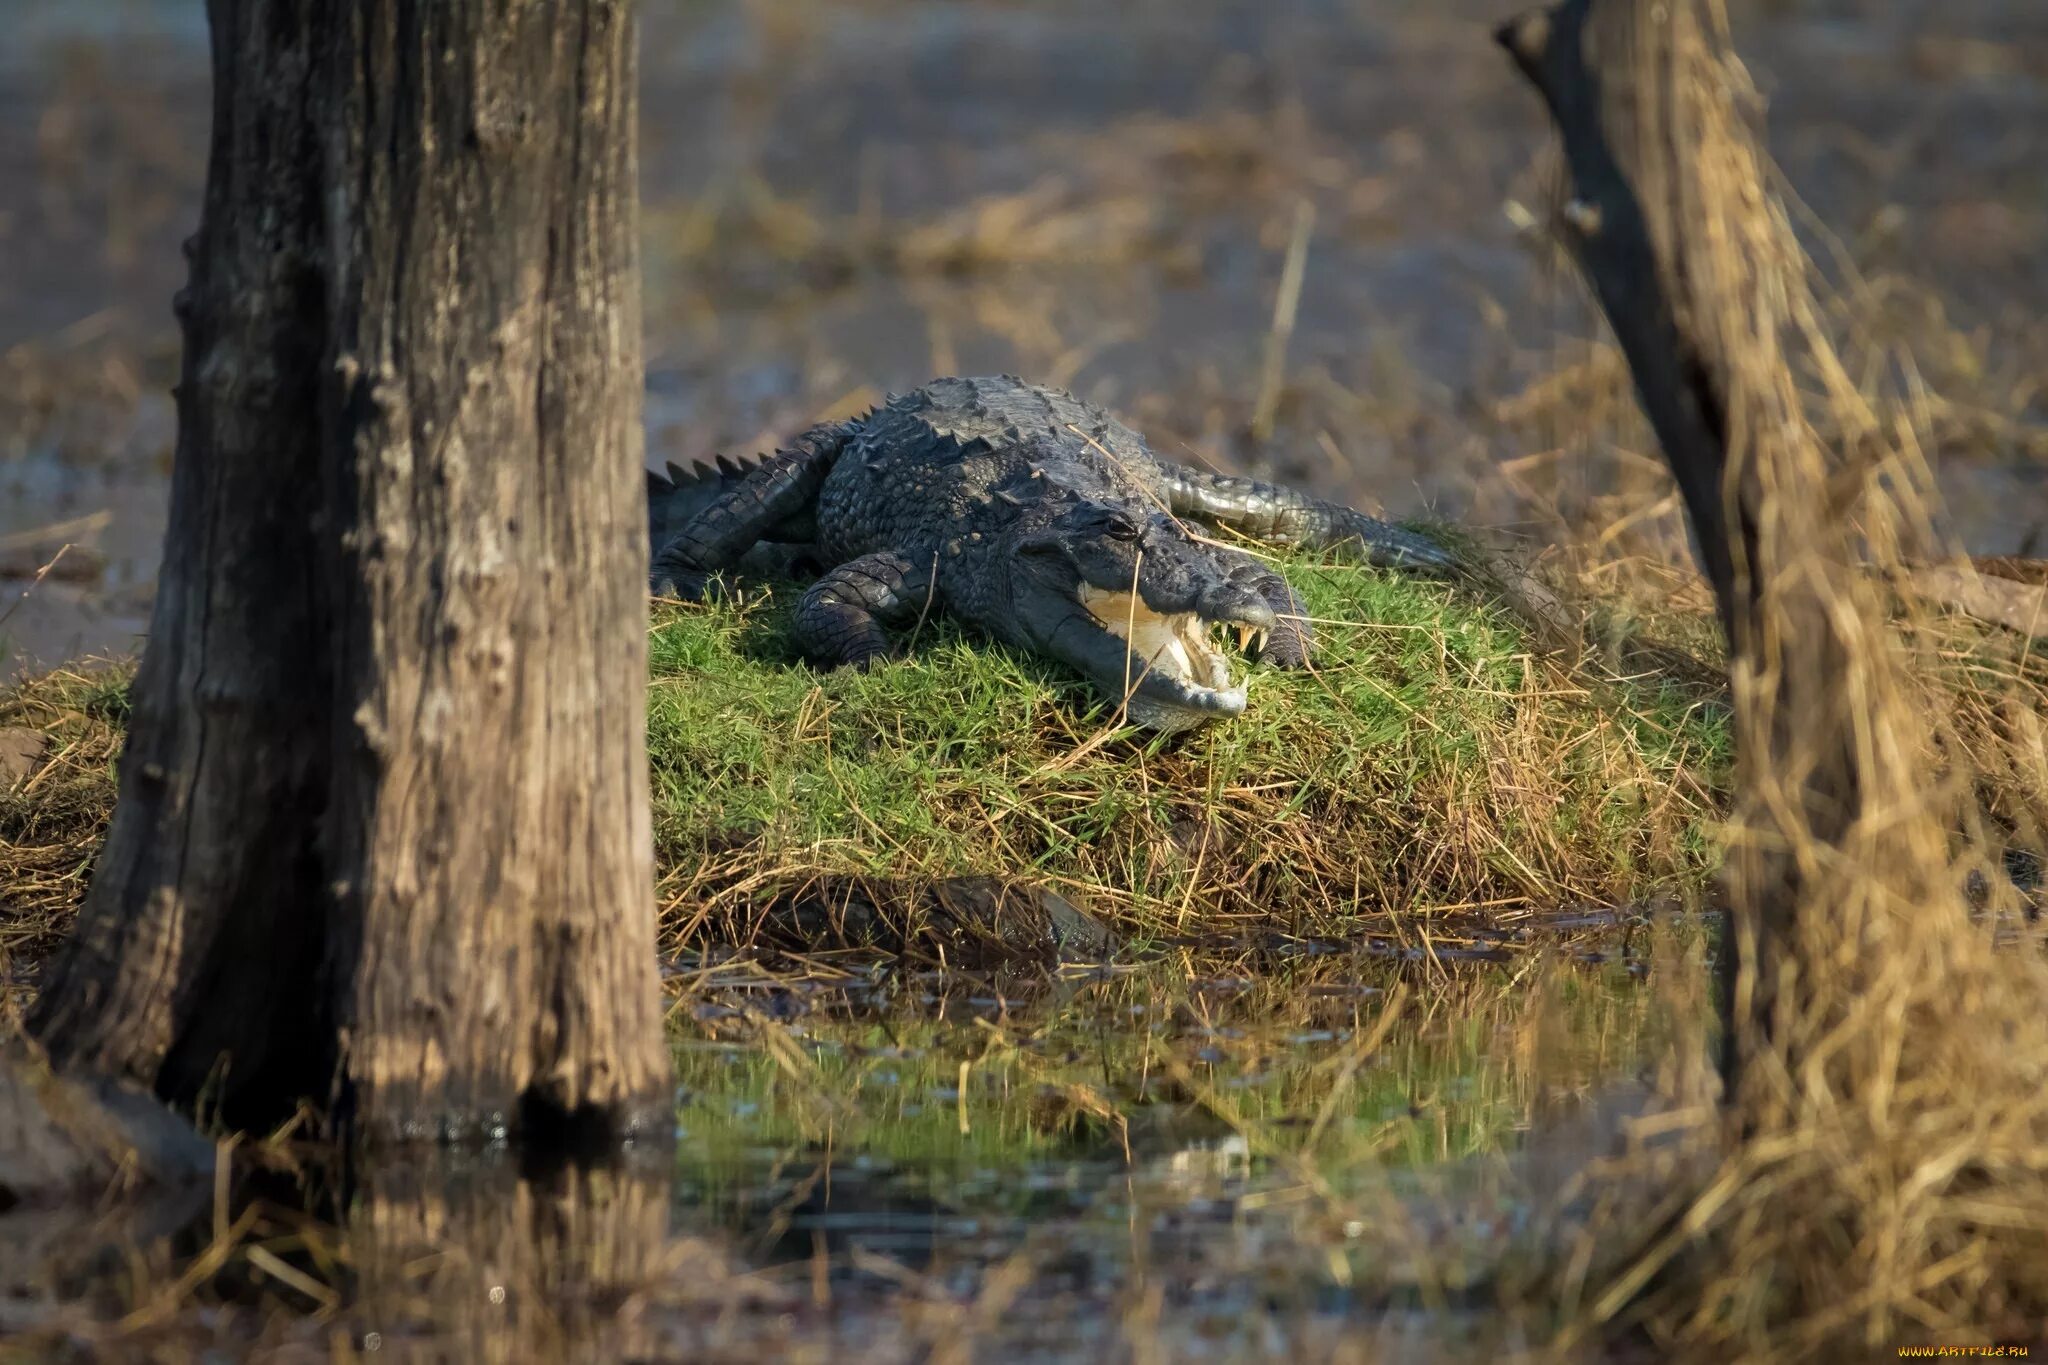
(691,585)
(683,585)
(1285,646)
(868,663)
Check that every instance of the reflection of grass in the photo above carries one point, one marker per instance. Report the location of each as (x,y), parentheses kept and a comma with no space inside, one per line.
(1326,1126)
(1429,760)
(1306,1066)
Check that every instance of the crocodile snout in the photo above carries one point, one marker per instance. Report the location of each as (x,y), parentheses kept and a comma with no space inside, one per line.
(1237,605)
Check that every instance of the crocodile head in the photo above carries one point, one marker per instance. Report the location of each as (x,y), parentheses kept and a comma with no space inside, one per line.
(1137,605)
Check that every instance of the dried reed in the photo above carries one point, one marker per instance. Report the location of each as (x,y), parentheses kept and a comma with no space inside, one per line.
(1886,1169)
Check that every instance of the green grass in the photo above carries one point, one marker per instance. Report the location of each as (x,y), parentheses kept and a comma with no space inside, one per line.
(1429,761)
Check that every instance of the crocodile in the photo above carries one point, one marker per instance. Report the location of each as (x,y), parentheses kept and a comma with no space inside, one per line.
(1039,518)
(676,498)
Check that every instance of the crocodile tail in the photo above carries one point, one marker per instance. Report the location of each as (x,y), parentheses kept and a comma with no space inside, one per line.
(725,470)
(674,498)
(1286,516)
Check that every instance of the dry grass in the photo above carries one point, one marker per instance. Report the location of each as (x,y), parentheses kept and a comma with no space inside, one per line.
(1432,764)
(1886,1175)
(51,822)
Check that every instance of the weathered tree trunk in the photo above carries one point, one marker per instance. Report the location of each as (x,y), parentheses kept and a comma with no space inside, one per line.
(383,834)
(1703,287)
(1884,1068)
(1680,393)
(1775,552)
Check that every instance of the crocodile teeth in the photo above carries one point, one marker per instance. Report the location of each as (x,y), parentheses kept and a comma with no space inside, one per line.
(1250,638)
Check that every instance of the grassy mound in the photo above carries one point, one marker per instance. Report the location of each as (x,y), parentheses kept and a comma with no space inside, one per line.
(1429,762)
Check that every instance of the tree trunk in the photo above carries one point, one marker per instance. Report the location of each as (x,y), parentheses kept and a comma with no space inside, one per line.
(1704,290)
(383,838)
(1681,393)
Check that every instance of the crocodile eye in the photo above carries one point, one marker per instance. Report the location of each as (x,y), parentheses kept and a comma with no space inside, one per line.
(1120,527)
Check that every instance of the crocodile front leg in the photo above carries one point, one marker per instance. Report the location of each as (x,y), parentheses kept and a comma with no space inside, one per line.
(779,490)
(1280,515)
(840,619)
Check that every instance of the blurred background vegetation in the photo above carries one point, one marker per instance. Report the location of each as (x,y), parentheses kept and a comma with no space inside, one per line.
(847,198)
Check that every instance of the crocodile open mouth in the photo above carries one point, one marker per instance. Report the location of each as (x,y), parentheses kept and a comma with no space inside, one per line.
(1173,663)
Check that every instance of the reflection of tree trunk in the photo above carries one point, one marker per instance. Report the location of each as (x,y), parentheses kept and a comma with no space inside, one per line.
(91,1170)
(489,1263)
(383,817)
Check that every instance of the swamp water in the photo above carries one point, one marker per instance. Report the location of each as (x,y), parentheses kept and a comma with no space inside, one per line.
(1108,1120)
(1159,1161)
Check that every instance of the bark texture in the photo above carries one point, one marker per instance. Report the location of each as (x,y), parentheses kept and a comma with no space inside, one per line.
(1702,287)
(1754,511)
(383,834)
(198,944)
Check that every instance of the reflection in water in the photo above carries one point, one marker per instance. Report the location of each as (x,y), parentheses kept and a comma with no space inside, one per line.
(1256,1154)
(465,1254)
(915,1166)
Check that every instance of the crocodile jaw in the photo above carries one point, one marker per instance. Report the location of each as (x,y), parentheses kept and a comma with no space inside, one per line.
(1177,678)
